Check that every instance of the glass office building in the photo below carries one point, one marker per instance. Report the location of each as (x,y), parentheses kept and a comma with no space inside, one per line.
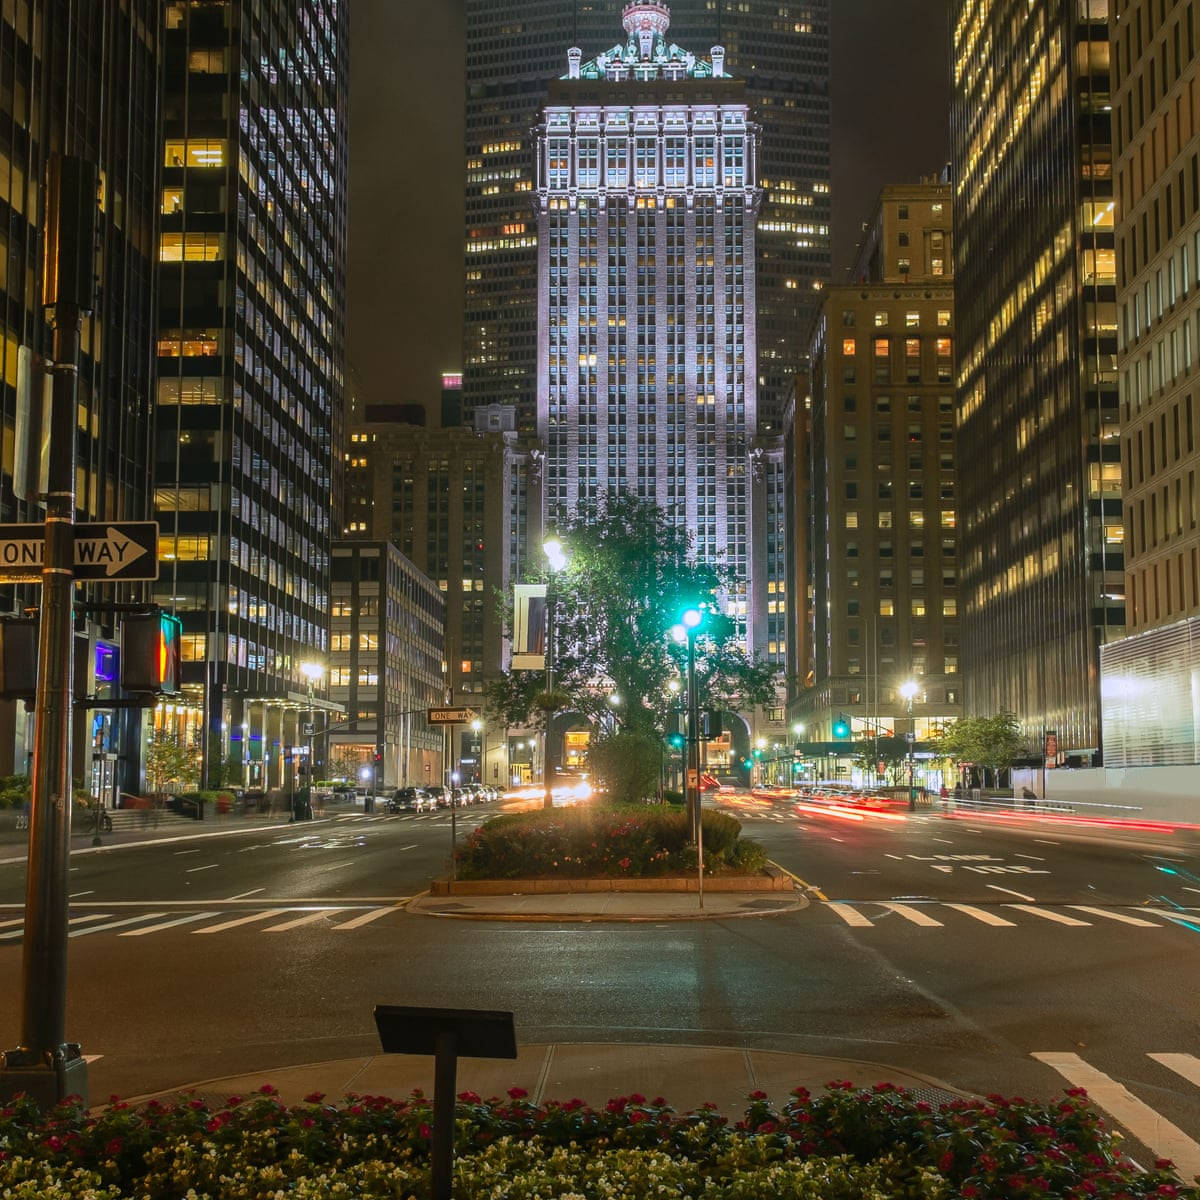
(250,363)
(1042,577)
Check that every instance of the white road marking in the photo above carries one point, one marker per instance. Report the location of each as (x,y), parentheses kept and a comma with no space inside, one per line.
(850,915)
(251,892)
(91,1058)
(981,914)
(1115,916)
(90,893)
(307,919)
(1032,857)
(6,924)
(166,924)
(1048,914)
(16,933)
(193,870)
(1185,916)
(836,839)
(1187,1065)
(259,916)
(196,851)
(997,888)
(115,924)
(915,915)
(412,847)
(1190,889)
(247,849)
(367,918)
(897,857)
(1043,842)
(1149,1127)
(944,841)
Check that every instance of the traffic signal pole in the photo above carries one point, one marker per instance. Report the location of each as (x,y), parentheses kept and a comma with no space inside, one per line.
(45,1064)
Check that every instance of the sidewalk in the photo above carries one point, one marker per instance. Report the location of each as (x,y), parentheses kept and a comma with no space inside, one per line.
(609,906)
(687,1076)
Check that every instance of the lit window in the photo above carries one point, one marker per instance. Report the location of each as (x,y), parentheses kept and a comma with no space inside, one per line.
(195,152)
(881,320)
(887,608)
(191,247)
(848,347)
(851,520)
(912,320)
(881,347)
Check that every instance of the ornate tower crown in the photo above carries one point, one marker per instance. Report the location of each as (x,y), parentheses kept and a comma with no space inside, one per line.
(647,20)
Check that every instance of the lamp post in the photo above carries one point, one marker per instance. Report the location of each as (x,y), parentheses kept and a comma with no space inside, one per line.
(557,558)
(312,671)
(690,621)
(908,689)
(477,728)
(798,732)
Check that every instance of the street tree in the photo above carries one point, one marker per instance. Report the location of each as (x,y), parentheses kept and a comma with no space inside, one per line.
(628,765)
(169,761)
(629,573)
(987,743)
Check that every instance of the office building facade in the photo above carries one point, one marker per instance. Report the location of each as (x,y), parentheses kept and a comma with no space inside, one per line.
(102,56)
(1042,577)
(884,537)
(781,52)
(1151,718)
(647,197)
(250,363)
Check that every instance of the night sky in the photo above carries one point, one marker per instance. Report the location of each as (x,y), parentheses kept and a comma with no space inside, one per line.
(890,96)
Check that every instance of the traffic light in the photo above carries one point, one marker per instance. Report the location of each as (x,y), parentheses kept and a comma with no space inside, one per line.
(676,741)
(377,758)
(18,659)
(150,653)
(841,727)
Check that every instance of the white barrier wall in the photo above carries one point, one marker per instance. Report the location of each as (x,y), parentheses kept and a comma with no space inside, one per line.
(1151,793)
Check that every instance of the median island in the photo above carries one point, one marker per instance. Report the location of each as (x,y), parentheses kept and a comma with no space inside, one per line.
(600,847)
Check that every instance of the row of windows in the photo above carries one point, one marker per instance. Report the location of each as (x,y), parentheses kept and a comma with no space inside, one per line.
(881,317)
(885,519)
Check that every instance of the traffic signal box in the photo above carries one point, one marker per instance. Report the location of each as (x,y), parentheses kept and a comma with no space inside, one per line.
(150,654)
(841,727)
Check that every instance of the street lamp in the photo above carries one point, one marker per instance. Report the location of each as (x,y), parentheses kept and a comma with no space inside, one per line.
(556,556)
(690,621)
(312,671)
(477,728)
(908,689)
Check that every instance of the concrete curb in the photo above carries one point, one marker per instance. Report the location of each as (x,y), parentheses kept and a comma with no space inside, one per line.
(797,904)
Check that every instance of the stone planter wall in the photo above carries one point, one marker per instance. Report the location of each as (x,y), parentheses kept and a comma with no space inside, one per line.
(772,882)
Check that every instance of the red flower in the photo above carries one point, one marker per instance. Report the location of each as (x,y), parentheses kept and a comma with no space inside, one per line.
(425,1131)
(268,1090)
(637,1098)
(232,1102)
(1163,1164)
(469,1097)
(517,1093)
(114,1147)
(307,1122)
(758,1095)
(637,1117)
(195,1104)
(53,1143)
(946,1161)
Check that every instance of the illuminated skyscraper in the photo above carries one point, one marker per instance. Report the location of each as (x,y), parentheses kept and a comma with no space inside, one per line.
(1042,580)
(250,362)
(647,193)
(779,50)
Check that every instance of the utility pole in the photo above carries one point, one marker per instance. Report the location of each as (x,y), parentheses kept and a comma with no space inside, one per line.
(45,1064)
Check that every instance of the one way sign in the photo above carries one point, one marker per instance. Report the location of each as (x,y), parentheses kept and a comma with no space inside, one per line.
(112,551)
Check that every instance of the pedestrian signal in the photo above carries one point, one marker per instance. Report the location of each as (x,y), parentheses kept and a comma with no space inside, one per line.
(150,653)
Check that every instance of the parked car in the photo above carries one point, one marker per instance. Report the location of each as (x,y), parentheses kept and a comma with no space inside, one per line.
(410,799)
(441,797)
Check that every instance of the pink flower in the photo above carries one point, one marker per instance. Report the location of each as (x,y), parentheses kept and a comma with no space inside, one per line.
(425,1131)
(307,1122)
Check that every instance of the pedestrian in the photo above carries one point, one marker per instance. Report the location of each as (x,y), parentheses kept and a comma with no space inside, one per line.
(944,793)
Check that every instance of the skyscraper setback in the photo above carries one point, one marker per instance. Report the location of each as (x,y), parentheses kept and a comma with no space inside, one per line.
(781,51)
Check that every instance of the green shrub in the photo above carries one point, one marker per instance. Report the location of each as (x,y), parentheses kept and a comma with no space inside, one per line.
(671,796)
(594,840)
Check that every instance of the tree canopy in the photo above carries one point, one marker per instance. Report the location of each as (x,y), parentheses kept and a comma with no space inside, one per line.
(629,574)
(989,742)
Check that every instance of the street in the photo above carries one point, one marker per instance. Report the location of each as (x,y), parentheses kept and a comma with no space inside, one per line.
(950,944)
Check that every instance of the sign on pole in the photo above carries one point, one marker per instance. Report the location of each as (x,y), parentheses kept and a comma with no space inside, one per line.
(106,550)
(452,716)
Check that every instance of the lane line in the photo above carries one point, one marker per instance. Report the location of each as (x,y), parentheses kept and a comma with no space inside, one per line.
(897,857)
(1031,857)
(16,933)
(915,915)
(981,914)
(92,892)
(1149,1127)
(193,870)
(850,915)
(412,847)
(195,851)
(1187,1065)
(307,919)
(1043,842)
(997,888)
(1048,914)
(115,924)
(251,892)
(259,916)
(816,891)
(1115,916)
(368,917)
(166,924)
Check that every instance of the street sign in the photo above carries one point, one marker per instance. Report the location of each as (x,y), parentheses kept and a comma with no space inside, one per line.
(452,716)
(693,779)
(106,550)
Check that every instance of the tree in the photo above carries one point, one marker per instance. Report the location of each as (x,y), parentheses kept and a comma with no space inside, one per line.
(627,764)
(629,573)
(889,749)
(168,761)
(990,743)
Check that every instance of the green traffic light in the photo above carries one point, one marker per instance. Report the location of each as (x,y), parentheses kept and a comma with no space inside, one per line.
(676,741)
(841,729)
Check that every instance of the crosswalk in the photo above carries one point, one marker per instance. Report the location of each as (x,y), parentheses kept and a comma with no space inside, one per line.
(1161,1137)
(930,914)
(283,918)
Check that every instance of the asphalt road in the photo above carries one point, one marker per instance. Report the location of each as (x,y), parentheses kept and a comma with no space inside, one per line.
(950,944)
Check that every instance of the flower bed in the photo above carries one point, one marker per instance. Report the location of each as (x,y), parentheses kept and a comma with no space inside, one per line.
(599,840)
(875,1145)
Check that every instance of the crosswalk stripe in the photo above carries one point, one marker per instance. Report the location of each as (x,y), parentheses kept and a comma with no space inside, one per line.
(114,924)
(16,933)
(367,917)
(1186,1065)
(1185,917)
(307,919)
(981,914)
(850,915)
(1048,913)
(1115,916)
(915,915)
(6,924)
(259,916)
(1151,1128)
(166,924)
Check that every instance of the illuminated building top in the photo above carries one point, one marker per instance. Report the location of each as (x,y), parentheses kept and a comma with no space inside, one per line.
(645,54)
